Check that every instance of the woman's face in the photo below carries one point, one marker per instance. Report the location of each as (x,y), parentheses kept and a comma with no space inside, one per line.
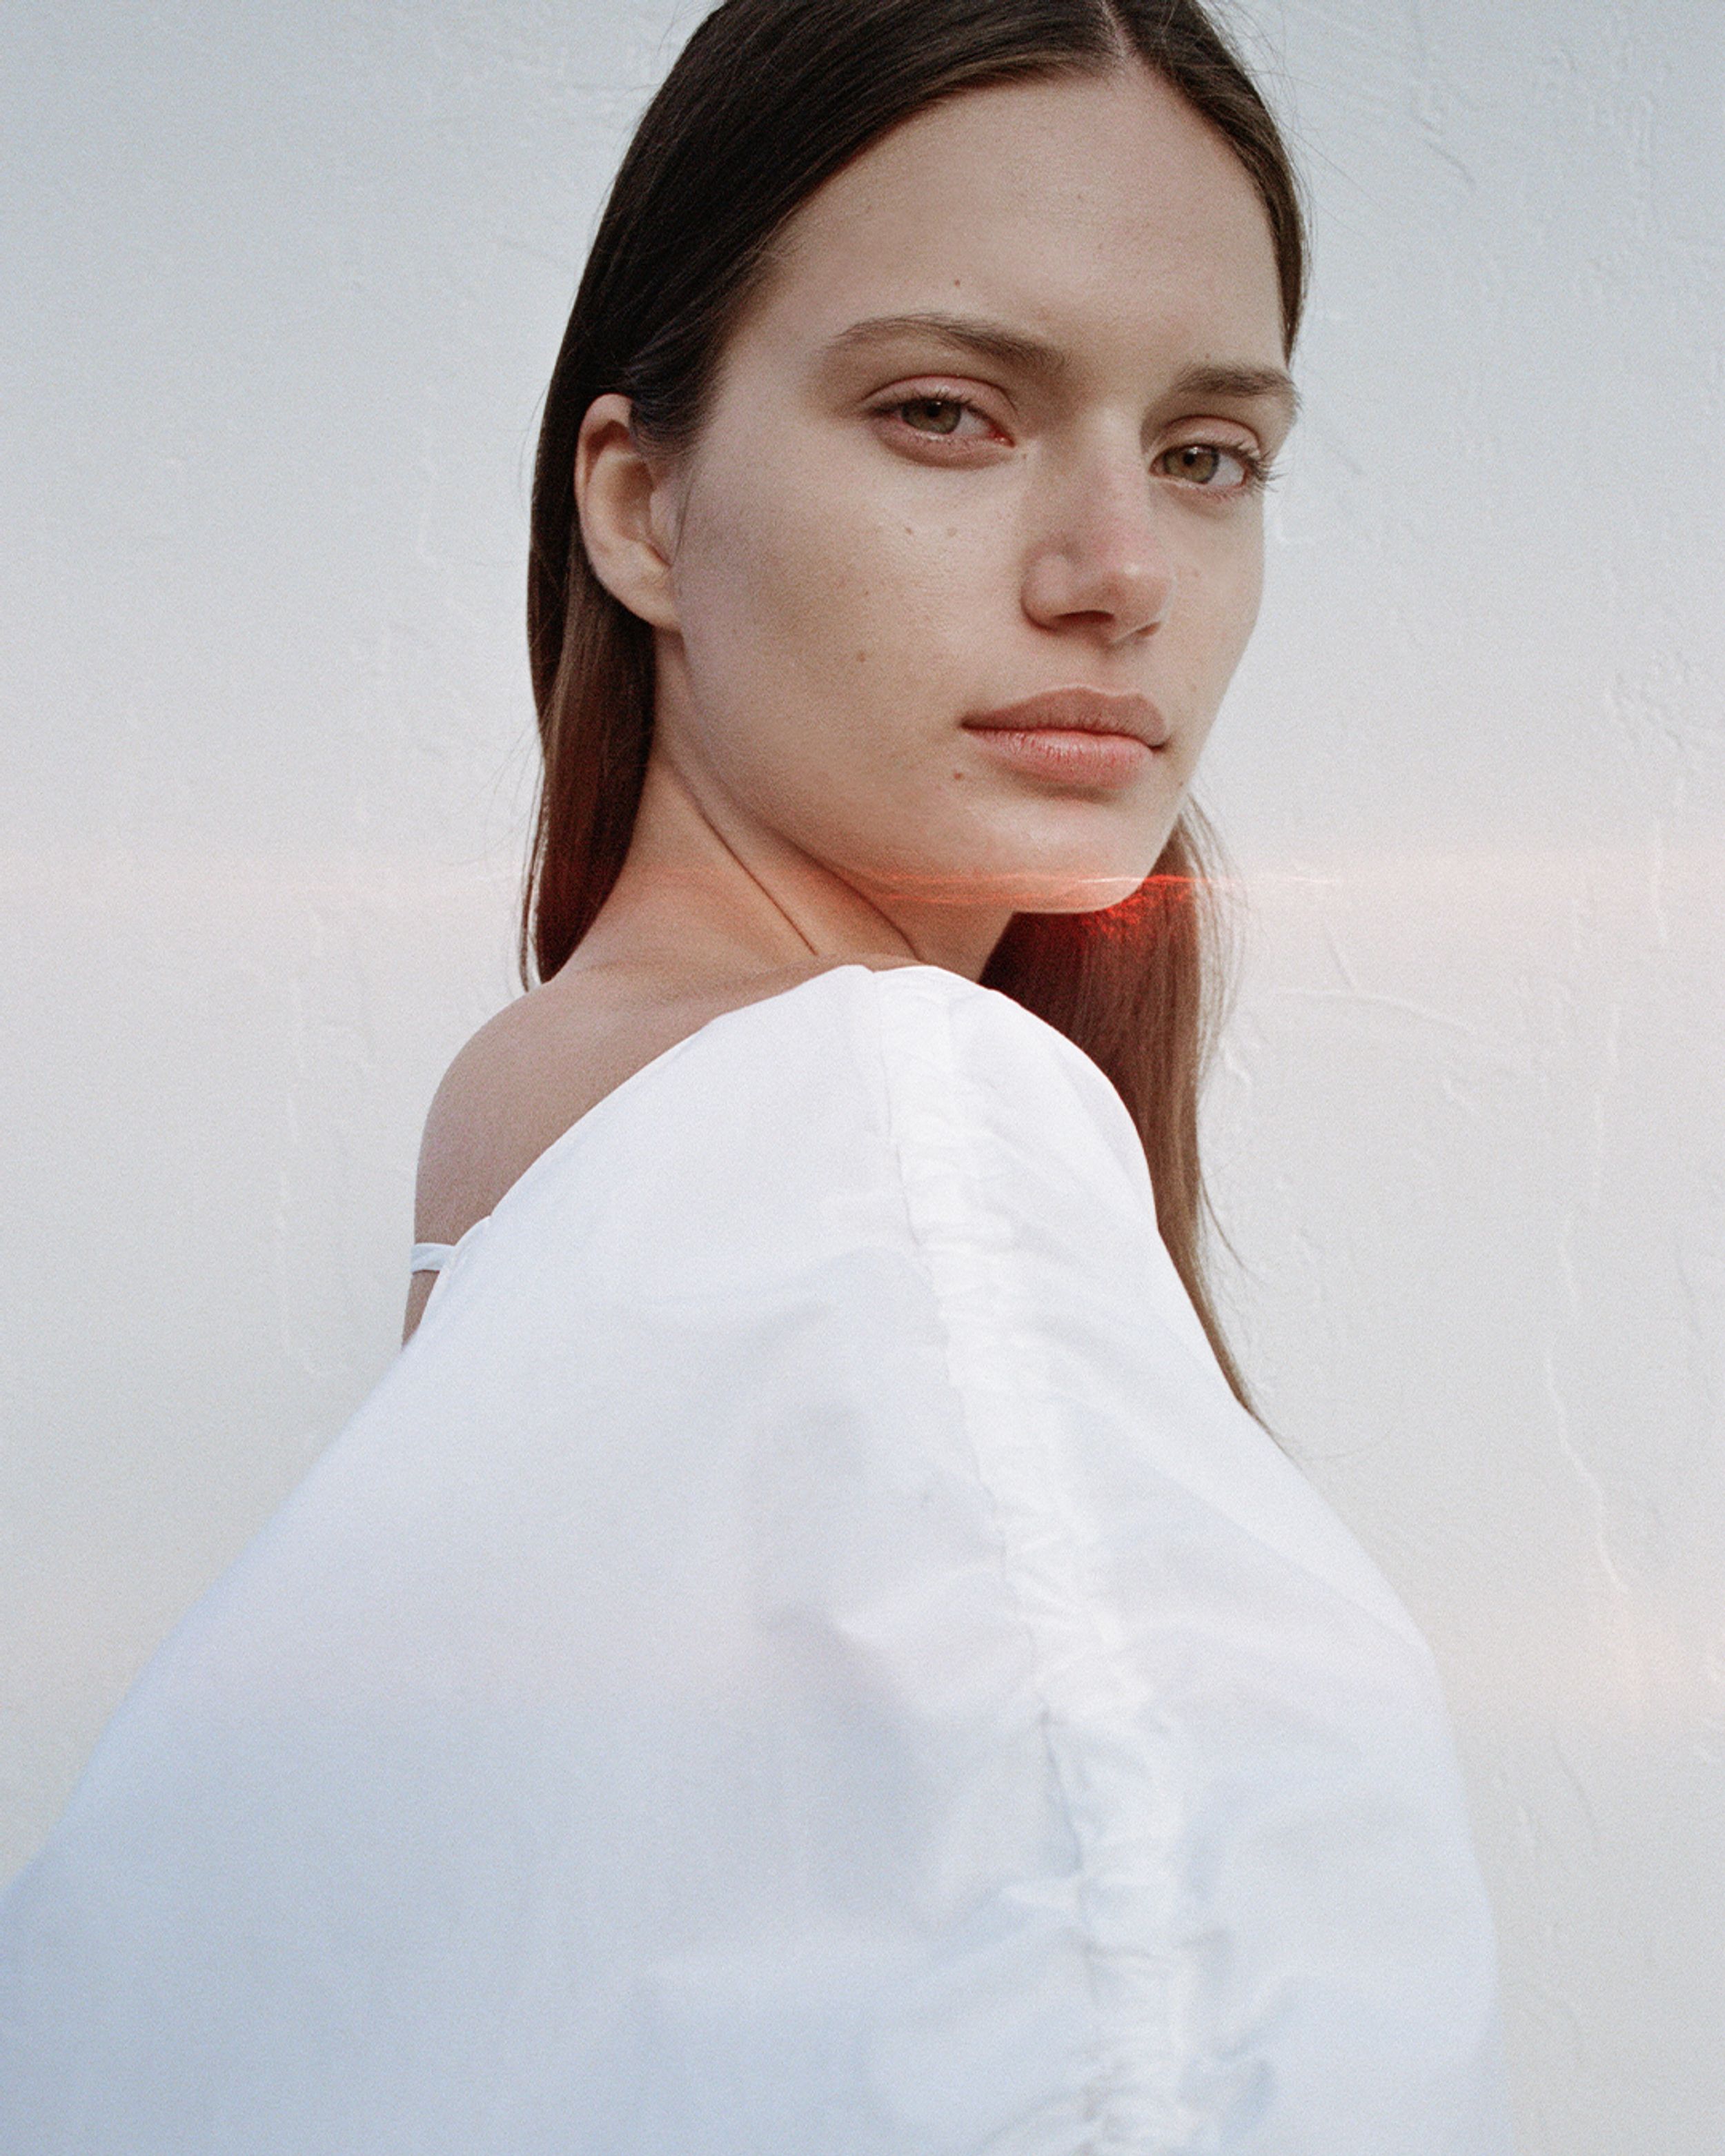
(888,528)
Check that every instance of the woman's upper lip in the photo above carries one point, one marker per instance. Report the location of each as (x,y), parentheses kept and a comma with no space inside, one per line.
(1088,711)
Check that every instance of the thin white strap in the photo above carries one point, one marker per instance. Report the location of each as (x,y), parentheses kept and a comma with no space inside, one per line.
(429,1257)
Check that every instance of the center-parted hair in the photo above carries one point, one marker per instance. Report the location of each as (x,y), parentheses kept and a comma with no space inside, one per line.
(768,100)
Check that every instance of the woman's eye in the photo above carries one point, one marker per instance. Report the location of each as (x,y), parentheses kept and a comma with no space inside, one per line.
(936,416)
(1213,468)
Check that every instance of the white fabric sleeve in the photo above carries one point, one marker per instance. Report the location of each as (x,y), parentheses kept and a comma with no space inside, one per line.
(801,1655)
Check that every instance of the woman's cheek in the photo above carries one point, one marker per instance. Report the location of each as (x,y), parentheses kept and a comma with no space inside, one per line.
(1220,590)
(850,599)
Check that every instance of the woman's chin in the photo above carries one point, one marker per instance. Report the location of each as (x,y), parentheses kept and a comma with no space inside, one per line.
(1019,891)
(1082,894)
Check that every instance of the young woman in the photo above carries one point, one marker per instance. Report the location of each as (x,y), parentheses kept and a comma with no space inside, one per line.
(807,1651)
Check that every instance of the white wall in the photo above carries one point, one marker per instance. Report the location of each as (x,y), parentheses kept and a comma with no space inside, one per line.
(284,290)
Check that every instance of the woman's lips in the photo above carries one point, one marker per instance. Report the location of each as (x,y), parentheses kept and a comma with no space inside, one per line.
(1079,735)
(1077,754)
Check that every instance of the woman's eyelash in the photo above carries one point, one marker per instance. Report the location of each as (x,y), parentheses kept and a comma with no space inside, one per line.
(1260,471)
(901,404)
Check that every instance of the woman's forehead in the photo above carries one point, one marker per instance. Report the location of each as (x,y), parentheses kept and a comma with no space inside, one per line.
(1091,206)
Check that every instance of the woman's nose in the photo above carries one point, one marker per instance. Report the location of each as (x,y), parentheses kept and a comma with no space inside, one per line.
(1100,558)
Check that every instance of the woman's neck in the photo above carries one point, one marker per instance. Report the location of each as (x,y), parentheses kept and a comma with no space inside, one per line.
(704,891)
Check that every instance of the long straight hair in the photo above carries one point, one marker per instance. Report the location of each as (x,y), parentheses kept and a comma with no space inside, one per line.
(767,101)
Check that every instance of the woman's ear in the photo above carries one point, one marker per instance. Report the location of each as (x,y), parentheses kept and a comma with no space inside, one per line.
(621,501)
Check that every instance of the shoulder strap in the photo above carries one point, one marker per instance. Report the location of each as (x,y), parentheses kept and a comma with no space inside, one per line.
(429,1257)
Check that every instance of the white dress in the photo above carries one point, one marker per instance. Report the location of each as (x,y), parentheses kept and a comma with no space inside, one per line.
(800,1655)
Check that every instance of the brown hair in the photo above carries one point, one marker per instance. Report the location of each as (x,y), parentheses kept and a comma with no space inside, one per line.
(767,101)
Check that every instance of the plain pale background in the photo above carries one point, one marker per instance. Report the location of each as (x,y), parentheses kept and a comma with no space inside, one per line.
(283,288)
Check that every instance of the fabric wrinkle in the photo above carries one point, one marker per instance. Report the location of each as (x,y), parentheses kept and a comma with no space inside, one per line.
(966,1243)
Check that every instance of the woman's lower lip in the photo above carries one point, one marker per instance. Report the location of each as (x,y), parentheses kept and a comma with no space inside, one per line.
(1069,753)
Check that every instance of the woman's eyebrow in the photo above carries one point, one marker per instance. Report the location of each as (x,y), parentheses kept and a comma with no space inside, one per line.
(1034,355)
(967,332)
(1270,385)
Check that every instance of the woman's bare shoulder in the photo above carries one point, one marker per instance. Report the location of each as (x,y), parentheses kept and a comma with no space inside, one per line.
(545,1060)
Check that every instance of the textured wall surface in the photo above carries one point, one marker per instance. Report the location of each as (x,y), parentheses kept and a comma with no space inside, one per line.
(283,288)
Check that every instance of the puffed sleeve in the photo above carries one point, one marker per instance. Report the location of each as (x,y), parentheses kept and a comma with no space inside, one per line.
(801,1655)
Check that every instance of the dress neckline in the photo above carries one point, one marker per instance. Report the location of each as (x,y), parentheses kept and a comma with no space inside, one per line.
(725,1018)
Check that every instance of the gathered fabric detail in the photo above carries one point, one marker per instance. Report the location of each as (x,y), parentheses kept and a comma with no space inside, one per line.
(1115,1765)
